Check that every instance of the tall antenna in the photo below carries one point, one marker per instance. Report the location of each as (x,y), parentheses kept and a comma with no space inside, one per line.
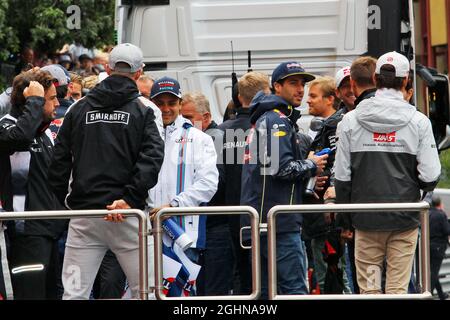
(234,81)
(232,57)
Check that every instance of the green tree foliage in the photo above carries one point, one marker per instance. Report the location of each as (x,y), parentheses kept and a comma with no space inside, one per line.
(9,42)
(42,24)
(444,181)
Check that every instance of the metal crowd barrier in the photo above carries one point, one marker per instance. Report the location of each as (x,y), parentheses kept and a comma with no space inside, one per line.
(234,210)
(71,214)
(424,253)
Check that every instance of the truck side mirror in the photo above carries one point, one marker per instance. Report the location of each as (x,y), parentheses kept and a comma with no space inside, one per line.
(438,100)
(437,103)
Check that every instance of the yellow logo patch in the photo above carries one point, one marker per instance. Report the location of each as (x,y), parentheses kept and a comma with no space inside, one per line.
(279,134)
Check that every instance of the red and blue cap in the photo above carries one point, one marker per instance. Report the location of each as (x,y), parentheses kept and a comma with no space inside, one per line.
(166,85)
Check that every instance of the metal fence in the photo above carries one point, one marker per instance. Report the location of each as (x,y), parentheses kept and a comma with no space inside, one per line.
(157,230)
(424,267)
(424,252)
(71,214)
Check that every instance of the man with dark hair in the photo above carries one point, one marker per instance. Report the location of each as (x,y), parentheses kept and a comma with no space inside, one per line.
(26,148)
(26,60)
(439,232)
(188,176)
(385,153)
(61,81)
(273,173)
(363,87)
(86,66)
(344,89)
(222,232)
(108,153)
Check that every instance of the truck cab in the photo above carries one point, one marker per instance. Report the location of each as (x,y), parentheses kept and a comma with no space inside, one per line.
(201,42)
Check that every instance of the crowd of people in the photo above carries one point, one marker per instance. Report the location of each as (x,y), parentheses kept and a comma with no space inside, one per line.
(100,134)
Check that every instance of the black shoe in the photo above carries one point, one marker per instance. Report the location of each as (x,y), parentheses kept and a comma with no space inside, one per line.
(444,297)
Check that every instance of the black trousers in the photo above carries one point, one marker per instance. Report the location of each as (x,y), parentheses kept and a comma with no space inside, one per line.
(437,254)
(34,284)
(216,275)
(242,280)
(110,280)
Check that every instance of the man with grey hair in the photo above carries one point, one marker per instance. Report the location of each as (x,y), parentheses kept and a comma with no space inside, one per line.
(144,84)
(195,107)
(107,155)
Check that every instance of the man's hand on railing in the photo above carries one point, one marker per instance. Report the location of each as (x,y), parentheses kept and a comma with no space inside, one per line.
(155,210)
(116,217)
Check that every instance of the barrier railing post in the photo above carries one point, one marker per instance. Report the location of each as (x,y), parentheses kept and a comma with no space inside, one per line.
(72,214)
(425,252)
(424,256)
(234,210)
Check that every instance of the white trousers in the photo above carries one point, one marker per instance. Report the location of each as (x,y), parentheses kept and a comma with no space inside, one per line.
(87,242)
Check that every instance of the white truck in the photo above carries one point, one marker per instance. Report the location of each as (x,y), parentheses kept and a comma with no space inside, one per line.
(191,41)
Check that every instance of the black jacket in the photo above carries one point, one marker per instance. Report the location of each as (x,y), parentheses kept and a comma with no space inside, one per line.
(273,170)
(439,228)
(108,147)
(314,223)
(230,155)
(26,148)
(367,94)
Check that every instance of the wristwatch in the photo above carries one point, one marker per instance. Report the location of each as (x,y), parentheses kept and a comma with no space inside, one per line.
(174,203)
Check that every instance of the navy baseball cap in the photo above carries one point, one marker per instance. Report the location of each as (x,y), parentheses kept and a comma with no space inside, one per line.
(166,85)
(290,68)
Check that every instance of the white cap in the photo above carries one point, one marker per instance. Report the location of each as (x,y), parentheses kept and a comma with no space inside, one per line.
(58,73)
(397,60)
(341,75)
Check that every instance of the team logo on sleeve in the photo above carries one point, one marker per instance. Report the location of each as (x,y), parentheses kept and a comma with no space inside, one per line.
(384,137)
(107,117)
(279,133)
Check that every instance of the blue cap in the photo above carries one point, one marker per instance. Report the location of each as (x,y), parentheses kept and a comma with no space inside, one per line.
(290,68)
(166,85)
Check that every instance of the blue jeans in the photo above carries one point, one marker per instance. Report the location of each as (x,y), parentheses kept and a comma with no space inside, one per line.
(291,265)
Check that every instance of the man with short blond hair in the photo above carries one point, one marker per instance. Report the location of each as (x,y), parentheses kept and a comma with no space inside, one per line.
(321,101)
(249,84)
(222,233)
(75,87)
